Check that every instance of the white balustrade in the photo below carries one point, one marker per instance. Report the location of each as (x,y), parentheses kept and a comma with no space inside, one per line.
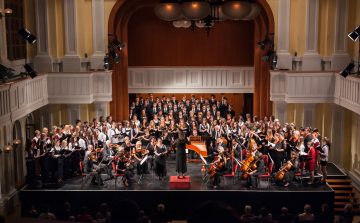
(191,79)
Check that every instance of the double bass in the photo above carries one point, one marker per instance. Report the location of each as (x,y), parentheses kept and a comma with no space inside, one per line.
(285,168)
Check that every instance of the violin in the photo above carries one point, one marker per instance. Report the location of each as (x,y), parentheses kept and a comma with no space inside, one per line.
(285,168)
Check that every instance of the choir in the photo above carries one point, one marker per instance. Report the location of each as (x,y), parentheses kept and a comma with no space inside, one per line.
(152,131)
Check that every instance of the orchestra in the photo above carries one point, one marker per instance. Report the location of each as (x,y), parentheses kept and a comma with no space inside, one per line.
(156,129)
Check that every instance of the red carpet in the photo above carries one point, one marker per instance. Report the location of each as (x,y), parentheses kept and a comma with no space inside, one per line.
(180,183)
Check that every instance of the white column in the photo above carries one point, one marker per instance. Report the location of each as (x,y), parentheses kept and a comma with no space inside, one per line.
(42,61)
(309,114)
(341,58)
(2,178)
(283,35)
(100,109)
(311,60)
(73,113)
(96,61)
(3,49)
(355,157)
(71,60)
(9,165)
(337,135)
(281,112)
(46,116)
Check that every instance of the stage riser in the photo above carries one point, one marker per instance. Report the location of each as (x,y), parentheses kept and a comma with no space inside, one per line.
(180,203)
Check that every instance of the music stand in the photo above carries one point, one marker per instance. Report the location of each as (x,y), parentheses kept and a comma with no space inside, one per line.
(204,162)
(141,163)
(240,164)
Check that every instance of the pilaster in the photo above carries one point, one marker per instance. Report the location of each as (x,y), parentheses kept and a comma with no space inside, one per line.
(281,112)
(311,60)
(100,109)
(283,35)
(71,60)
(309,114)
(96,61)
(73,113)
(3,49)
(337,135)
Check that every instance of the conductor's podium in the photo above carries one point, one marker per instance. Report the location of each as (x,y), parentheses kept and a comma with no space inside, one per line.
(176,183)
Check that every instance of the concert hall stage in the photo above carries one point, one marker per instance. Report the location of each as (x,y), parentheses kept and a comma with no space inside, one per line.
(179,203)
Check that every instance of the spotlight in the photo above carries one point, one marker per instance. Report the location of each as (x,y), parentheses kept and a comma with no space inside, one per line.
(265,41)
(347,70)
(354,35)
(274,61)
(270,52)
(30,38)
(30,71)
(118,45)
(6,73)
(106,62)
(113,54)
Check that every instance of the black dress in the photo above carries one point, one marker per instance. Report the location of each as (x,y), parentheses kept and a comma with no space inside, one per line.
(181,157)
(30,167)
(58,166)
(128,173)
(160,161)
(45,166)
(294,169)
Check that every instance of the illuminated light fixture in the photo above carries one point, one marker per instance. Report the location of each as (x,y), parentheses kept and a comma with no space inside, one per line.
(217,12)
(7,148)
(30,71)
(30,38)
(168,10)
(347,70)
(6,11)
(185,23)
(200,24)
(236,9)
(106,62)
(177,24)
(16,142)
(354,35)
(195,10)
(274,61)
(255,10)
(113,54)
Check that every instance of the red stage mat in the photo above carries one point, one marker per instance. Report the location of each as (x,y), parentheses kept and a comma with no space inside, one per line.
(180,183)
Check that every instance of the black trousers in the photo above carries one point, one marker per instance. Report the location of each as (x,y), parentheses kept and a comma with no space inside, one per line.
(252,179)
(279,160)
(218,176)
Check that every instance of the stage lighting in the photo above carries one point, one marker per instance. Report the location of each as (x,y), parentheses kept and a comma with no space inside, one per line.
(106,62)
(113,54)
(354,35)
(347,70)
(6,73)
(118,45)
(267,56)
(274,61)
(265,41)
(27,35)
(30,71)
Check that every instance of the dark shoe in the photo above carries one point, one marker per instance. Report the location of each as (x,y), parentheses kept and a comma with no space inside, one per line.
(183,177)
(179,177)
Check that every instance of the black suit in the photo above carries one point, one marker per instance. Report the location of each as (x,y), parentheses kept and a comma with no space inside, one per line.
(89,168)
(223,107)
(232,112)
(213,112)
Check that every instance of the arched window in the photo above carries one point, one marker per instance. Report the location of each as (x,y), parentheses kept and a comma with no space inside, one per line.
(14,22)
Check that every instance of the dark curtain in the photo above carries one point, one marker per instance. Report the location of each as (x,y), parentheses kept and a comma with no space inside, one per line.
(248,104)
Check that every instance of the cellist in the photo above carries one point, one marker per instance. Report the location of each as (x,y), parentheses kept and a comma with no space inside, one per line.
(225,170)
(260,170)
(290,174)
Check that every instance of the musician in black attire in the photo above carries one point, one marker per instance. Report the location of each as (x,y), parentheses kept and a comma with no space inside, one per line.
(160,159)
(30,163)
(91,168)
(237,149)
(124,167)
(307,137)
(294,169)
(225,170)
(181,155)
(280,151)
(150,147)
(260,170)
(211,151)
(44,163)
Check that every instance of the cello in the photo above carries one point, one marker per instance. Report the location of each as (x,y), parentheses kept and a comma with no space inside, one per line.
(285,168)
(250,158)
(251,168)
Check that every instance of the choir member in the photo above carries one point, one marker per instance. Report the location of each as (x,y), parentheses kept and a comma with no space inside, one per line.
(160,159)
(30,156)
(57,161)
(311,161)
(66,159)
(324,157)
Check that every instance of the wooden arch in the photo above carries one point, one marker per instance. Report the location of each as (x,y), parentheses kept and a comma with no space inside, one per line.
(118,22)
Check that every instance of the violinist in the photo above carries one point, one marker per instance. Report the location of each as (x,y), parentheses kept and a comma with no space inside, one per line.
(138,156)
(108,156)
(294,169)
(160,151)
(90,167)
(260,170)
(124,166)
(225,170)
(150,147)
(128,147)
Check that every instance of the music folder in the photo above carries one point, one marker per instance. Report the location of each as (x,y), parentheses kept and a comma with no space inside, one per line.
(166,142)
(143,160)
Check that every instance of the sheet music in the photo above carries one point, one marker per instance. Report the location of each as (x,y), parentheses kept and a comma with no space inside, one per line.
(143,160)
(186,151)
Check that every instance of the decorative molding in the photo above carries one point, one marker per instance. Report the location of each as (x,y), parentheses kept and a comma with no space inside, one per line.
(191,80)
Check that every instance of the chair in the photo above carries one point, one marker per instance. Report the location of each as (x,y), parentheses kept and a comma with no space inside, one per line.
(266,159)
(301,167)
(83,175)
(266,175)
(244,153)
(232,174)
(116,174)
